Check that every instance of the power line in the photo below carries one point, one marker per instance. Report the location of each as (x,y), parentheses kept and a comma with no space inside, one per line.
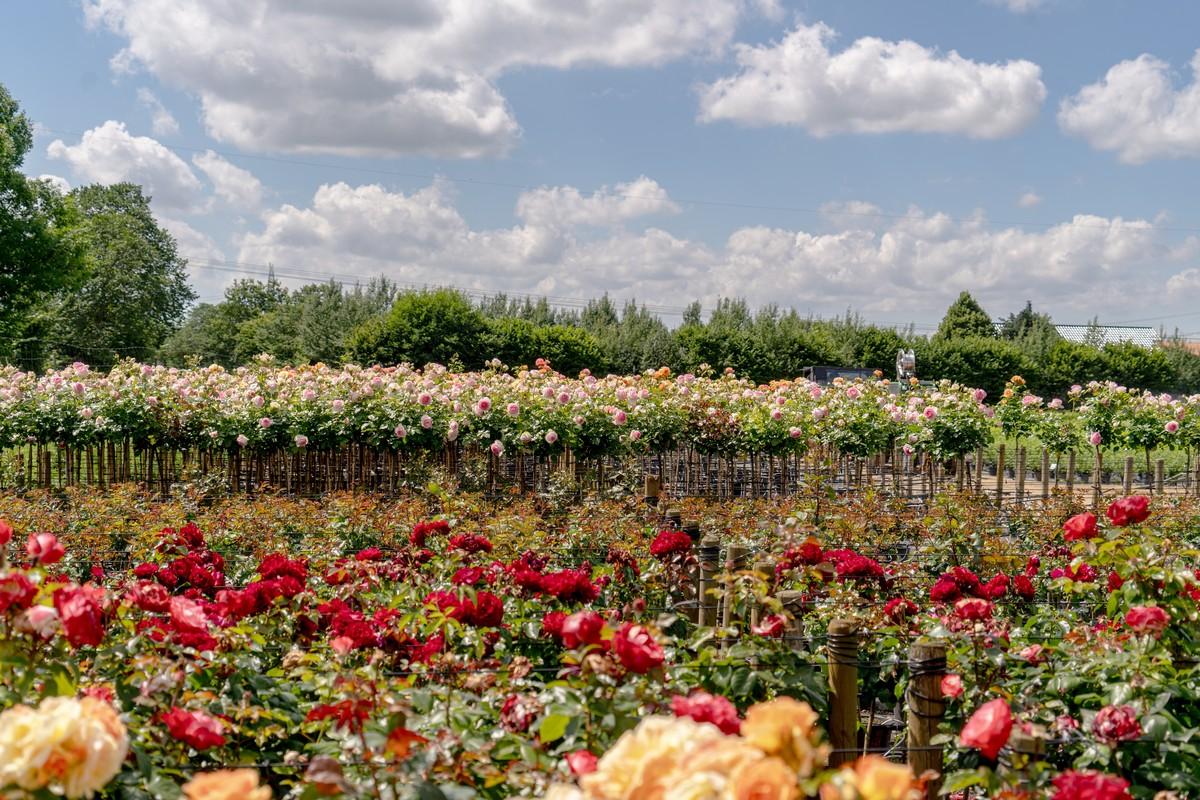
(878,214)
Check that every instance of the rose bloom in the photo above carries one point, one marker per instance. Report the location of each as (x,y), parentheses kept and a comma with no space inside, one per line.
(1115,724)
(1129,510)
(952,686)
(644,761)
(771,626)
(871,777)
(79,608)
(787,728)
(1088,785)
(194,728)
(581,762)
(988,728)
(6,532)
(1080,526)
(973,609)
(712,708)
(1147,620)
(71,747)
(636,648)
(766,779)
(226,784)
(44,548)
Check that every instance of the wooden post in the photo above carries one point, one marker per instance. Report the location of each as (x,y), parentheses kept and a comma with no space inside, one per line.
(1071,474)
(768,569)
(1000,473)
(734,560)
(1160,469)
(1021,474)
(1127,477)
(1045,474)
(1097,479)
(926,706)
(710,558)
(979,471)
(842,650)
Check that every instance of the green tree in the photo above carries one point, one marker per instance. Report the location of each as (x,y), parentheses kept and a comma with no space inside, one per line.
(1139,367)
(965,318)
(38,252)
(135,290)
(211,332)
(982,362)
(424,327)
(1068,363)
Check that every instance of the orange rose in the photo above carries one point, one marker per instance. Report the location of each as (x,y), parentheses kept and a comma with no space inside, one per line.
(787,728)
(226,784)
(768,779)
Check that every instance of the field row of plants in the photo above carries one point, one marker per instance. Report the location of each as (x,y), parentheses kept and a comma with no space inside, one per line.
(267,409)
(441,645)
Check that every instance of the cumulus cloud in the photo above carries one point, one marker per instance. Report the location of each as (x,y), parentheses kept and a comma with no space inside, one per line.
(566,206)
(236,186)
(110,154)
(1136,111)
(162,122)
(873,86)
(1029,200)
(57,181)
(390,79)
(1019,6)
(911,265)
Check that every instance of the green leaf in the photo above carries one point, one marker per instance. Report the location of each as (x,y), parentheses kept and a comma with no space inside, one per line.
(553,727)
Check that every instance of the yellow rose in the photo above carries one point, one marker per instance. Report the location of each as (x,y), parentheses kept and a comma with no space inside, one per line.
(787,728)
(226,784)
(562,791)
(73,747)
(880,779)
(643,760)
(768,779)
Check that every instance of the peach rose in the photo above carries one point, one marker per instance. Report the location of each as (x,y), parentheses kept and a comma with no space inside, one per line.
(71,747)
(643,760)
(226,784)
(787,728)
(768,779)
(880,779)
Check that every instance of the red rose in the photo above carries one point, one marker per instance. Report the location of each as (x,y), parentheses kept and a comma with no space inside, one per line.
(368,554)
(898,609)
(1072,785)
(996,588)
(470,544)
(770,626)
(518,713)
(6,533)
(1115,724)
(988,728)
(81,614)
(194,728)
(1150,620)
(582,627)
(1023,587)
(636,648)
(187,615)
(1129,510)
(1115,581)
(44,548)
(945,590)
(552,624)
(952,686)
(973,609)
(487,612)
(467,576)
(1080,526)
(712,708)
(581,762)
(16,592)
(669,543)
(149,596)
(570,585)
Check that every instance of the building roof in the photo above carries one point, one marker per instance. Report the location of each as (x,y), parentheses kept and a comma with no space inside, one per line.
(1106,334)
(1110,334)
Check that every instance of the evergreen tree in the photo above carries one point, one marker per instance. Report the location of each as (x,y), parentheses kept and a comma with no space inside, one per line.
(965,318)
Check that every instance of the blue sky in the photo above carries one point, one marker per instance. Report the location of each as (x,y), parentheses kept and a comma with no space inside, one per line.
(877,156)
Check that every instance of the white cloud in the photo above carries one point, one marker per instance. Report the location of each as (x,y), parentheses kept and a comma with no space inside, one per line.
(873,86)
(1029,200)
(234,185)
(57,181)
(109,154)
(566,206)
(1019,6)
(161,120)
(911,266)
(201,252)
(386,78)
(1137,112)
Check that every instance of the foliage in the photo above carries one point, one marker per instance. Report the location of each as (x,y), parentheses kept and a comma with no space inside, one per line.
(965,319)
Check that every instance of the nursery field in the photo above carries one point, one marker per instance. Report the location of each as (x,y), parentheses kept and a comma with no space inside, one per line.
(448,643)
(387,582)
